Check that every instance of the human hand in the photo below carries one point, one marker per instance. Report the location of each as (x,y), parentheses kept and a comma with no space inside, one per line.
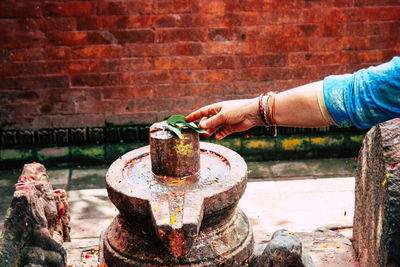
(228,117)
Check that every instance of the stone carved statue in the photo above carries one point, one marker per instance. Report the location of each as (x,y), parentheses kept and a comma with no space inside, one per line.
(37,222)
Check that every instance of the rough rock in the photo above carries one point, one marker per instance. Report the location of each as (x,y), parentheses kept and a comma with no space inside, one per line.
(284,249)
(376,230)
(37,222)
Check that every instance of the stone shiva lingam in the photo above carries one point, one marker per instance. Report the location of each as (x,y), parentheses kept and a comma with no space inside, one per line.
(177,200)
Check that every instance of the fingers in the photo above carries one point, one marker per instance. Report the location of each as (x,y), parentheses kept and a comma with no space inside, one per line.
(206,111)
(222,133)
(210,132)
(213,122)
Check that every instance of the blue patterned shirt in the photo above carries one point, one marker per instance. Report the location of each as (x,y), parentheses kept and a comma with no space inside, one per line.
(365,98)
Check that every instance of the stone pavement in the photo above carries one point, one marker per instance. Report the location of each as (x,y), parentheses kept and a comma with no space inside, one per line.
(313,198)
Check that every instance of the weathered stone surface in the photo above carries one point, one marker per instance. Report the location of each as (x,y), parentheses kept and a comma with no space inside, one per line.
(37,222)
(171,156)
(376,233)
(284,249)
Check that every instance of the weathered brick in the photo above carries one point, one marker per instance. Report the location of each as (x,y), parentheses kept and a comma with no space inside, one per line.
(90,107)
(87,23)
(137,50)
(57,53)
(20,9)
(275,73)
(172,90)
(289,16)
(137,64)
(57,107)
(7,83)
(125,7)
(189,49)
(247,74)
(317,58)
(164,49)
(22,39)
(212,6)
(68,9)
(381,13)
(179,34)
(134,36)
(77,38)
(24,68)
(114,106)
(325,44)
(178,63)
(20,54)
(381,42)
(252,88)
(282,45)
(172,6)
(42,82)
(140,21)
(90,66)
(166,21)
(144,91)
(113,22)
(28,95)
(230,48)
(250,5)
(219,34)
(100,51)
(242,19)
(98,79)
(192,20)
(140,6)
(59,24)
(29,24)
(113,8)
(8,25)
(146,77)
(208,76)
(219,62)
(372,57)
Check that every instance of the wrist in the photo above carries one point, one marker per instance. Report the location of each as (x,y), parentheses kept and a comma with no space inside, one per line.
(255,112)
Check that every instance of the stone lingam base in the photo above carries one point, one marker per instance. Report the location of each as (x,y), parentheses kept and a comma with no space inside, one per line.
(177,200)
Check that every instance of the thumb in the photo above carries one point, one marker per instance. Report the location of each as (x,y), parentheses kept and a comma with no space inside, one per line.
(213,122)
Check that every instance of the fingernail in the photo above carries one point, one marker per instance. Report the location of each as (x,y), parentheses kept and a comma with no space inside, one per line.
(202,124)
(206,135)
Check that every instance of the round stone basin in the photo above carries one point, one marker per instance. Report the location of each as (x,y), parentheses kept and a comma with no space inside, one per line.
(178,201)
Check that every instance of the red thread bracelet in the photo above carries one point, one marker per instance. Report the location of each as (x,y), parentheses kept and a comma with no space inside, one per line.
(272,114)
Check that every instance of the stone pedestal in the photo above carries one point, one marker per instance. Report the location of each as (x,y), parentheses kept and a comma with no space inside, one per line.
(376,229)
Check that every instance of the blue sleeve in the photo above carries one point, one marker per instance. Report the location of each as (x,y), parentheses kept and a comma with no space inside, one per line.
(365,98)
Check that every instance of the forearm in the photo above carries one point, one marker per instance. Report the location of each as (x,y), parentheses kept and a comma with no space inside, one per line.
(299,107)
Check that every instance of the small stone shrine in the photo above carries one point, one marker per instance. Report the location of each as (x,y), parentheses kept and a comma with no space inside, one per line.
(177,200)
(376,229)
(37,222)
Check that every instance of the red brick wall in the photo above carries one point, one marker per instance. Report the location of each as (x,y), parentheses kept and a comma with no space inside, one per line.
(85,63)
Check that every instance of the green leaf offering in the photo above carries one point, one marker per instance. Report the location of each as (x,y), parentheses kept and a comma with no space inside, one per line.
(176,122)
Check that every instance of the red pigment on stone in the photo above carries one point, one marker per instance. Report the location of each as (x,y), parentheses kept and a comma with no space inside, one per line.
(394,164)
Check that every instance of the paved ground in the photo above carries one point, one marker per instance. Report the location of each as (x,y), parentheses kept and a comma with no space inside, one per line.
(313,198)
